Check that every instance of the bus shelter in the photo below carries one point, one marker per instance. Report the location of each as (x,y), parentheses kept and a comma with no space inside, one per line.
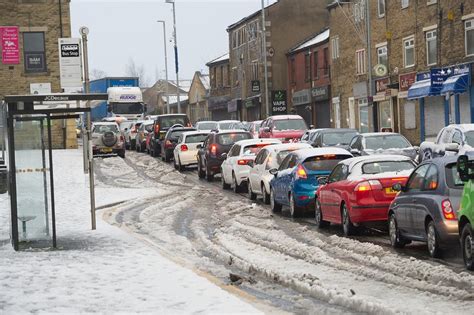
(29,162)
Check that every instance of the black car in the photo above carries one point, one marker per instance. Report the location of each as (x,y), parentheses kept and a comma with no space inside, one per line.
(161,125)
(170,141)
(329,137)
(382,143)
(210,157)
(425,209)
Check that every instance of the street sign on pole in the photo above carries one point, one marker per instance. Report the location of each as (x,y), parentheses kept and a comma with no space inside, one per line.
(70,62)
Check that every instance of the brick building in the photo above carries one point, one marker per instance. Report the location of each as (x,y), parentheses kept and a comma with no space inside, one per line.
(38,25)
(308,80)
(219,93)
(288,22)
(197,97)
(416,45)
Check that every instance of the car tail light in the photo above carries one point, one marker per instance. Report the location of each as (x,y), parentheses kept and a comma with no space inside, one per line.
(189,125)
(122,138)
(369,185)
(184,147)
(168,144)
(157,128)
(301,172)
(213,149)
(448,211)
(243,162)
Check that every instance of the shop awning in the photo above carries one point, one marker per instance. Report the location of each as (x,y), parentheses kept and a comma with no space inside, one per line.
(420,89)
(456,84)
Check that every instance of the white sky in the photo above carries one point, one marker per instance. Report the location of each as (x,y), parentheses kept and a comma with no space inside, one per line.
(124,29)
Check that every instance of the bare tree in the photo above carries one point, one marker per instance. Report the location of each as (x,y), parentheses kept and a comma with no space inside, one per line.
(134,70)
(97,74)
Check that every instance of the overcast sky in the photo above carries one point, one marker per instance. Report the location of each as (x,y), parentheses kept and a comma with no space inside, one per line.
(124,29)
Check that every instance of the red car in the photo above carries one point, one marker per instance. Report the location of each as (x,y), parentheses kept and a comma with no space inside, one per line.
(359,191)
(287,128)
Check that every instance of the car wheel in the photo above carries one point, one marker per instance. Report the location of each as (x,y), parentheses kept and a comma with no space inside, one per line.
(209,175)
(175,165)
(132,146)
(201,173)
(250,193)
(181,168)
(318,215)
(236,187)
(467,243)
(137,148)
(167,158)
(266,196)
(432,240)
(395,237)
(295,211)
(121,153)
(347,225)
(275,206)
(225,186)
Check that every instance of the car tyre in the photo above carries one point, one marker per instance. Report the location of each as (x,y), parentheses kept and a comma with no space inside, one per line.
(467,245)
(181,168)
(201,173)
(395,238)
(250,193)
(265,195)
(167,158)
(318,215)
(347,226)
(295,210)
(209,175)
(274,205)
(225,186)
(235,187)
(175,165)
(121,153)
(432,240)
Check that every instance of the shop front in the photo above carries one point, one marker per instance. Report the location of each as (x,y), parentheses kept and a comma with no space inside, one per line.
(217,106)
(385,108)
(301,101)
(321,109)
(234,107)
(408,111)
(360,107)
(253,105)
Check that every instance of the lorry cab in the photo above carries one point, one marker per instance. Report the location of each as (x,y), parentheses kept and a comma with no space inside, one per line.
(126,102)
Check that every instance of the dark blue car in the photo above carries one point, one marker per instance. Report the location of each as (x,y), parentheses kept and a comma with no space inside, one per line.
(296,180)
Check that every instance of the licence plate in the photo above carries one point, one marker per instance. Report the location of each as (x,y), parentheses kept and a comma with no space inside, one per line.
(390,191)
(107,150)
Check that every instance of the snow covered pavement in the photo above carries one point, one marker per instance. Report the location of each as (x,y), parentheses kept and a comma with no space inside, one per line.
(106,270)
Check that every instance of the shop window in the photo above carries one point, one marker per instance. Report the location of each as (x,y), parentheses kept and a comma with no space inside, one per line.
(335,47)
(307,67)
(34,52)
(409,51)
(360,62)
(431,48)
(381,8)
(469,37)
(382,55)
(315,64)
(385,115)
(363,115)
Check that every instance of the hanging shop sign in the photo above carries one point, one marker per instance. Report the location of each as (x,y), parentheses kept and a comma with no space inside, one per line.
(279,102)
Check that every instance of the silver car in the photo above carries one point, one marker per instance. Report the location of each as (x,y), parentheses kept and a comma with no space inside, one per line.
(107,139)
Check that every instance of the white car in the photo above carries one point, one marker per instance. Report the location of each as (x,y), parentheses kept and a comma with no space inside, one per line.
(268,158)
(235,169)
(185,152)
(206,126)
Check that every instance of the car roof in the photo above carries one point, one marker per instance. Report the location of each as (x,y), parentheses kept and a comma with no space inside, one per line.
(206,121)
(374,158)
(463,127)
(337,130)
(168,115)
(181,129)
(195,132)
(374,134)
(288,146)
(443,160)
(305,153)
(105,123)
(228,121)
(256,141)
(283,117)
(231,131)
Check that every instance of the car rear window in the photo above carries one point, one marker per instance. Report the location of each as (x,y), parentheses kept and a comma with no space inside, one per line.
(290,124)
(323,162)
(338,138)
(226,125)
(254,148)
(386,166)
(231,138)
(105,128)
(168,121)
(174,135)
(386,142)
(452,177)
(195,138)
(207,126)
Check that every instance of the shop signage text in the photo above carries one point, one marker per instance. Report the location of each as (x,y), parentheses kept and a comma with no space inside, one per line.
(279,102)
(320,93)
(255,86)
(9,45)
(381,85)
(406,80)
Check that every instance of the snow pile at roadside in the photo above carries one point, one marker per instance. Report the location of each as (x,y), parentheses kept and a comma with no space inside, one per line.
(105,270)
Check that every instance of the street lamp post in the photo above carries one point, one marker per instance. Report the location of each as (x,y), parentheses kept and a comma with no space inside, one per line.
(166,68)
(265,65)
(175,36)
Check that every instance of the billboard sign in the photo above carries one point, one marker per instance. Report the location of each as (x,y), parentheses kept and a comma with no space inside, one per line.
(9,43)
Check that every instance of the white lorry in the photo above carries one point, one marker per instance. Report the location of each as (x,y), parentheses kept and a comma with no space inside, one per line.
(126,102)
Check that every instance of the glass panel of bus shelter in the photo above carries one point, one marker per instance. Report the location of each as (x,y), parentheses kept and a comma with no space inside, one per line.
(32,179)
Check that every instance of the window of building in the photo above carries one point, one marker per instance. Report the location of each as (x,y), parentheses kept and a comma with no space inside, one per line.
(234,39)
(34,52)
(335,47)
(363,115)
(252,30)
(235,76)
(326,61)
(381,8)
(409,51)
(405,3)
(469,37)
(382,55)
(293,70)
(428,2)
(227,76)
(315,64)
(360,62)
(359,10)
(255,67)
(307,67)
(431,48)
(222,75)
(214,77)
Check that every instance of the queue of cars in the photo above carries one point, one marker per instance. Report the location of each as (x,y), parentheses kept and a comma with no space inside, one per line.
(343,177)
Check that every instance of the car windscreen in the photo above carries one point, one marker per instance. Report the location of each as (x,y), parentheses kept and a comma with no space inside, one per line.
(280,156)
(386,142)
(195,138)
(338,138)
(207,126)
(470,138)
(168,121)
(253,149)
(386,166)
(127,108)
(149,127)
(231,138)
(105,128)
(290,124)
(323,162)
(452,177)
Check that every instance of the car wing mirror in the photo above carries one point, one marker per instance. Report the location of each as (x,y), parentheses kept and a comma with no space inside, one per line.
(462,167)
(323,180)
(273,171)
(224,155)
(266,129)
(251,163)
(453,147)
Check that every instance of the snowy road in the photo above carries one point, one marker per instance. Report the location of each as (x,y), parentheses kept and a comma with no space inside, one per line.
(287,263)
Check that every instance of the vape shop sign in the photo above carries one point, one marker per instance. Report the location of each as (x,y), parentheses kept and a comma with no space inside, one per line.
(9,45)
(279,102)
